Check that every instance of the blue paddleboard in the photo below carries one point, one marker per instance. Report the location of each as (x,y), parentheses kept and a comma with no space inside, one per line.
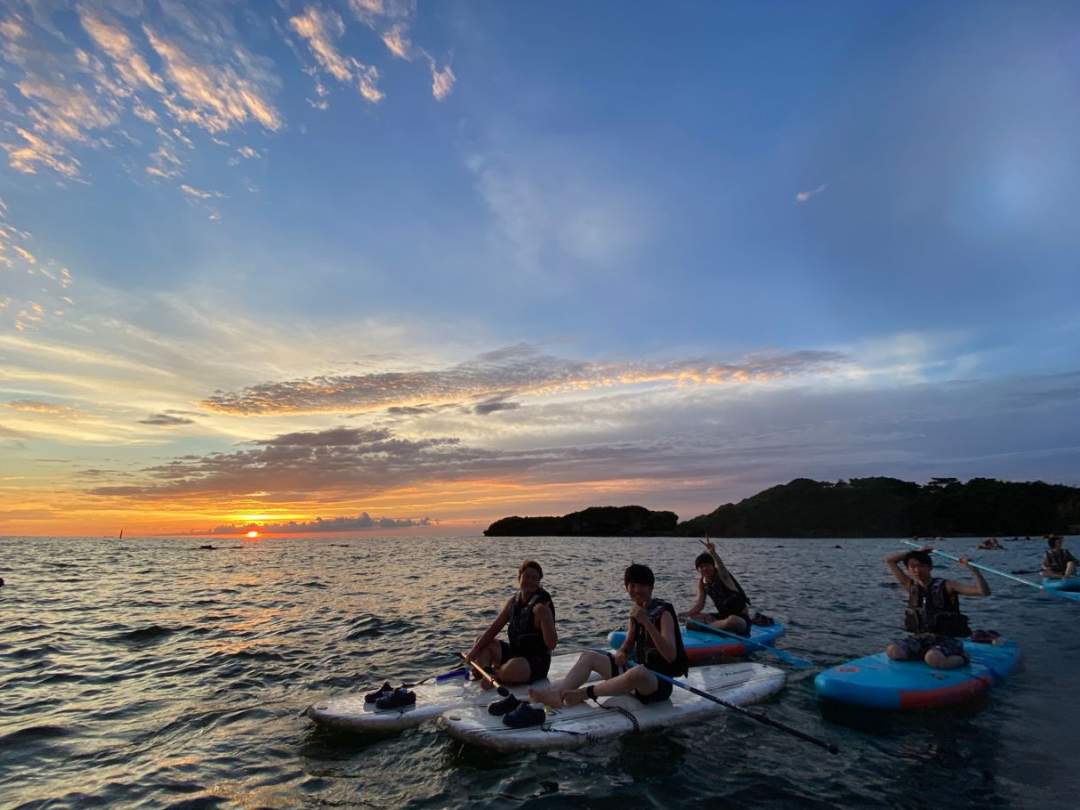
(701,645)
(1063,584)
(880,683)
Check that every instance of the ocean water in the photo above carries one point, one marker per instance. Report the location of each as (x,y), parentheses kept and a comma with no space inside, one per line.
(150,673)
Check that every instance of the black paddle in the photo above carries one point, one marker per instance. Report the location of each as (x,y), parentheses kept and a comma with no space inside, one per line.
(802,735)
(502,690)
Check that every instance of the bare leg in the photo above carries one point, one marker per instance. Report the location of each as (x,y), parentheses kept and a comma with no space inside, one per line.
(896,653)
(935,659)
(733,624)
(588,662)
(639,678)
(516,670)
(1070,569)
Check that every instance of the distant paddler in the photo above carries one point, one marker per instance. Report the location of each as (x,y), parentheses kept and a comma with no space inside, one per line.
(933,614)
(529,618)
(717,582)
(1058,562)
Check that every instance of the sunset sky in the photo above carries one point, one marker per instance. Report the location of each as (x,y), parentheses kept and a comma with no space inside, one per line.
(375,264)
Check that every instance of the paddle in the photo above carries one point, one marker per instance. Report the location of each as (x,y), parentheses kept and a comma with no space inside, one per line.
(989,570)
(794,660)
(502,690)
(802,735)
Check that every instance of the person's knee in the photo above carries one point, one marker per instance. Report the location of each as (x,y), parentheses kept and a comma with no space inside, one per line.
(895,653)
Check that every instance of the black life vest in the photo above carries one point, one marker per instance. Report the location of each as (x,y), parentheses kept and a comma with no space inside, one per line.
(728,602)
(1057,559)
(522,630)
(645,651)
(934,610)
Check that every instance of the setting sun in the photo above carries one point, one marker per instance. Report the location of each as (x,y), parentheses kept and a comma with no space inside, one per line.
(252,534)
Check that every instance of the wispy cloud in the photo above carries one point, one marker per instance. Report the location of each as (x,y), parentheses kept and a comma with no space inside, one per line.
(199,194)
(42,408)
(397,42)
(126,59)
(215,97)
(320,29)
(519,370)
(442,81)
(166,420)
(804,196)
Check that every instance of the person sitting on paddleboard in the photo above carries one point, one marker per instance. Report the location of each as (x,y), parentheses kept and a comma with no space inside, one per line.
(1058,562)
(529,617)
(654,637)
(933,614)
(727,595)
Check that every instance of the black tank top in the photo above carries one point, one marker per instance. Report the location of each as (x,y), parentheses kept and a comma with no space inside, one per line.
(522,630)
(645,651)
(934,610)
(728,602)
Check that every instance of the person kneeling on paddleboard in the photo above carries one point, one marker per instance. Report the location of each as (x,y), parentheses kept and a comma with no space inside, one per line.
(1058,562)
(653,636)
(933,614)
(529,617)
(727,595)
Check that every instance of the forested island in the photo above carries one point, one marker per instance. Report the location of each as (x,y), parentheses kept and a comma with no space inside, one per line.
(860,507)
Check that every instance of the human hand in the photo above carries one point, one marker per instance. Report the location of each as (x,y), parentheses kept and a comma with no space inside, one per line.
(639,614)
(620,658)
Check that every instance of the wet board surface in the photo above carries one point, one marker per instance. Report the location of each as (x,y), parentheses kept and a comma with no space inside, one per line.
(351,713)
(701,645)
(738,683)
(880,683)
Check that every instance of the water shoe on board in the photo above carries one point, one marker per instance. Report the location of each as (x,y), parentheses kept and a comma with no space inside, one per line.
(385,689)
(524,716)
(397,699)
(504,706)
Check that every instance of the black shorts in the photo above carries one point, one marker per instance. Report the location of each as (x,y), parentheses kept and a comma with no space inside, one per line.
(663,688)
(538,664)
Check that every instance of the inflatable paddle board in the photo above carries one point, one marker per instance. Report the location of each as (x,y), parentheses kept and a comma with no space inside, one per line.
(877,682)
(351,713)
(738,683)
(1063,584)
(702,646)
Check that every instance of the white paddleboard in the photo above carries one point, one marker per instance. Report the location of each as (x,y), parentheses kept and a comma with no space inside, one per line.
(351,713)
(739,683)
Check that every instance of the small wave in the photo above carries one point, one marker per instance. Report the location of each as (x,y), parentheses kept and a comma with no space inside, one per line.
(143,635)
(32,734)
(371,626)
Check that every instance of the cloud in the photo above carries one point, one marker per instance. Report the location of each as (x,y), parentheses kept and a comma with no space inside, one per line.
(43,408)
(33,150)
(129,63)
(442,81)
(199,194)
(495,404)
(362,522)
(804,196)
(516,370)
(320,29)
(166,420)
(218,97)
(396,42)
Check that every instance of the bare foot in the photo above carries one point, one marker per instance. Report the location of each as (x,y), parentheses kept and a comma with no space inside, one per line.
(573,697)
(549,697)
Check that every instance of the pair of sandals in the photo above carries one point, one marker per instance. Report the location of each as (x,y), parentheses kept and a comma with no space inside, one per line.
(517,713)
(387,697)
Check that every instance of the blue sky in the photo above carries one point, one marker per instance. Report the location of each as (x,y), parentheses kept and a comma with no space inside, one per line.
(533,256)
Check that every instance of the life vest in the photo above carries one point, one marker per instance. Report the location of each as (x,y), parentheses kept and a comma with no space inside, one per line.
(645,651)
(728,602)
(1057,559)
(522,630)
(934,610)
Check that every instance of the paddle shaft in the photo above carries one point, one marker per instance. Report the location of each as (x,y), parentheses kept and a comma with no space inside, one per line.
(985,568)
(768,721)
(794,660)
(442,676)
(502,690)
